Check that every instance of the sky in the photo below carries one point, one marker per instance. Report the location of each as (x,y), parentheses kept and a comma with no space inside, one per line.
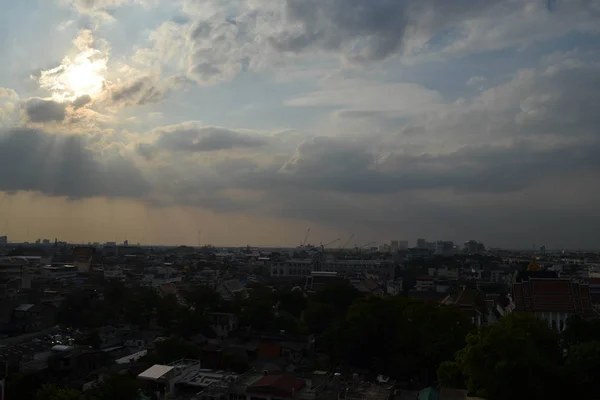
(235,122)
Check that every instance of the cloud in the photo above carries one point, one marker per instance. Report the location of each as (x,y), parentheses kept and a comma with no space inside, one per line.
(138,92)
(42,110)
(6,93)
(9,100)
(103,10)
(475,80)
(378,29)
(81,101)
(81,72)
(193,137)
(60,165)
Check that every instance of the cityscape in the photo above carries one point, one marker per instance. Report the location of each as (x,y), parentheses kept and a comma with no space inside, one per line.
(219,322)
(299,200)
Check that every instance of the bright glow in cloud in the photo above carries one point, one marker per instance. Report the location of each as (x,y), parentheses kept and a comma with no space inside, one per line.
(80,74)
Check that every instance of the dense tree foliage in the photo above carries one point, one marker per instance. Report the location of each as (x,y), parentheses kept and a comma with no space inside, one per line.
(518,358)
(53,392)
(398,337)
(114,386)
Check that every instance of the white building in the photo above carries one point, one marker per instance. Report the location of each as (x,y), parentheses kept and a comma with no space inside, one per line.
(162,378)
(62,272)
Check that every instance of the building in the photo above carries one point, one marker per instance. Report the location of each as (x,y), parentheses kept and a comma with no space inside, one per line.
(444,248)
(293,268)
(425,283)
(260,385)
(551,298)
(3,240)
(318,279)
(62,272)
(301,268)
(82,257)
(474,247)
(161,379)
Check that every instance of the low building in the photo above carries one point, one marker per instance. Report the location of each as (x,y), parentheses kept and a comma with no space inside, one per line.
(551,298)
(425,283)
(59,272)
(162,379)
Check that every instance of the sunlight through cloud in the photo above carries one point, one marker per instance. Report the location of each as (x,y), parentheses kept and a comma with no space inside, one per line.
(81,73)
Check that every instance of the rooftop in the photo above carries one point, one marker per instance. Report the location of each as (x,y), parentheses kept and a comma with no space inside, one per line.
(155,372)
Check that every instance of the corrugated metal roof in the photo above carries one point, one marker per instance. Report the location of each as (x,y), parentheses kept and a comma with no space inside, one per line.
(24,307)
(155,372)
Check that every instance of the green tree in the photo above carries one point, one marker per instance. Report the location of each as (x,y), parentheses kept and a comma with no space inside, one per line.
(258,309)
(319,316)
(340,296)
(203,298)
(173,349)
(23,385)
(406,339)
(518,358)
(583,366)
(53,392)
(114,386)
(579,330)
(292,302)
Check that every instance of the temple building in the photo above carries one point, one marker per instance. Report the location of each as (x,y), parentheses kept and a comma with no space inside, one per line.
(551,298)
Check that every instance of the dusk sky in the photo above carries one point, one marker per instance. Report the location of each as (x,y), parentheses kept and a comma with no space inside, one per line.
(253,120)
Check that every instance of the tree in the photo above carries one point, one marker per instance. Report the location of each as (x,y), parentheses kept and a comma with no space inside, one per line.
(398,337)
(517,358)
(23,385)
(293,302)
(173,349)
(319,316)
(340,296)
(583,366)
(203,298)
(114,386)
(579,330)
(258,309)
(53,392)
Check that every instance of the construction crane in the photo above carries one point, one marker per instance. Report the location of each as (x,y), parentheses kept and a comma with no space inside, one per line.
(306,237)
(347,241)
(365,245)
(332,242)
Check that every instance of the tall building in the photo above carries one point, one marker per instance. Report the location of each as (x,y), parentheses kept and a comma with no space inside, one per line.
(402,244)
(421,243)
(444,248)
(3,240)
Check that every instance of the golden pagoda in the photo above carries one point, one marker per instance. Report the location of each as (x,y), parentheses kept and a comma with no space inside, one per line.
(533,265)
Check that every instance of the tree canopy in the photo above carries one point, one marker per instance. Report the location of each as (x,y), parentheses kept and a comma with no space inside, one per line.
(398,337)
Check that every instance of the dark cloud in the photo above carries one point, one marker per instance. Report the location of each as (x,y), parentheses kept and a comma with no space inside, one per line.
(81,101)
(193,138)
(371,29)
(59,165)
(41,110)
(137,92)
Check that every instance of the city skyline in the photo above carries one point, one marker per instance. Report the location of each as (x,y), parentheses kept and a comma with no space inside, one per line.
(253,120)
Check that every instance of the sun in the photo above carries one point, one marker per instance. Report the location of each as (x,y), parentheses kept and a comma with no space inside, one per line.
(83,74)
(84,78)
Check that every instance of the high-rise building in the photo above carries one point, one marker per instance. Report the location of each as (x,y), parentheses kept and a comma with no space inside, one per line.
(402,244)
(421,243)
(3,240)
(474,247)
